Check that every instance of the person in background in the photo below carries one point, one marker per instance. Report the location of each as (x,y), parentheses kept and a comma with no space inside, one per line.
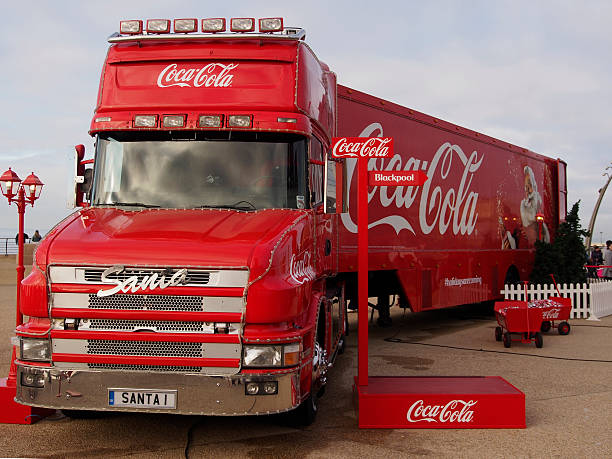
(607,261)
(596,259)
(25,238)
(37,237)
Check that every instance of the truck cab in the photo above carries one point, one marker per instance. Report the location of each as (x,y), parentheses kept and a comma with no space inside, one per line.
(199,273)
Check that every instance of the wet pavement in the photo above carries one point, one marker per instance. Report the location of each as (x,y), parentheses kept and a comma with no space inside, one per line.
(568,387)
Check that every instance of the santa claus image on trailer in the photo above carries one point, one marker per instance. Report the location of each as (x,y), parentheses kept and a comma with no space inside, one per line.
(531,205)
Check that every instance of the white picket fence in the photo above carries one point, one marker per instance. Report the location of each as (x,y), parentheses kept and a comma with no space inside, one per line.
(601,300)
(592,299)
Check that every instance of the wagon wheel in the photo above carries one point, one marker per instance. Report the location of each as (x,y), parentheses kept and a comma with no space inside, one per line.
(564,328)
(498,333)
(539,340)
(507,339)
(545,326)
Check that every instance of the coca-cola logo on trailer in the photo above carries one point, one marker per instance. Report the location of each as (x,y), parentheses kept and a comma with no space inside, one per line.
(455,411)
(444,202)
(215,74)
(355,147)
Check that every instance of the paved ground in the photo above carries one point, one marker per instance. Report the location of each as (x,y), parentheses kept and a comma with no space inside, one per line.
(568,387)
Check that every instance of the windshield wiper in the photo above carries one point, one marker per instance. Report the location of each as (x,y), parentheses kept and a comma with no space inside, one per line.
(246,206)
(128,204)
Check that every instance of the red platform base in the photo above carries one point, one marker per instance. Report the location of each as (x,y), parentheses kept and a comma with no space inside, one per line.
(15,413)
(481,402)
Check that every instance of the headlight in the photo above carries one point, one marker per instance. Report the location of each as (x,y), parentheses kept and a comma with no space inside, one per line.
(271,356)
(35,349)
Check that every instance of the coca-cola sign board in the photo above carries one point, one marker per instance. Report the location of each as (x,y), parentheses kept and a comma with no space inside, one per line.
(414,402)
(362,147)
(397,178)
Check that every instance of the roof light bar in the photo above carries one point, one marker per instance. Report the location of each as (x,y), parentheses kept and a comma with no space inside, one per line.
(158,25)
(271,25)
(130,27)
(242,24)
(213,25)
(186,25)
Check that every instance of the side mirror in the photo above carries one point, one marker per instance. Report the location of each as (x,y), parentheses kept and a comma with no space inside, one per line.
(83,177)
(334,199)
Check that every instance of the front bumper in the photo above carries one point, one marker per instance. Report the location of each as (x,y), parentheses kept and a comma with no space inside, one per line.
(196,394)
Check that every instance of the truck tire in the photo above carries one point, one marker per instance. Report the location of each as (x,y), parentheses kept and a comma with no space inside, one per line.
(545,326)
(306,413)
(498,333)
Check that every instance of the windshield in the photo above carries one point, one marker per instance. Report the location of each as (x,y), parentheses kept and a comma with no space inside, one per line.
(248,172)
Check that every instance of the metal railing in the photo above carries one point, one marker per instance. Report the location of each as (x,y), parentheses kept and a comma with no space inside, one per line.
(8,246)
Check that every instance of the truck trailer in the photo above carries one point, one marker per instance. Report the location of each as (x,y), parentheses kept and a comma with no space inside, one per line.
(213,252)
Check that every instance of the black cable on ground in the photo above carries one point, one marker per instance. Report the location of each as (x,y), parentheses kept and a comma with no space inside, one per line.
(190,436)
(397,340)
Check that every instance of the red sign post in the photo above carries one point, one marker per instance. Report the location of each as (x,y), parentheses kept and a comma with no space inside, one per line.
(415,402)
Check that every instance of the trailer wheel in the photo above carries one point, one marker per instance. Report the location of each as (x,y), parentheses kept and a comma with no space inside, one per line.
(545,326)
(498,333)
(539,340)
(507,339)
(564,328)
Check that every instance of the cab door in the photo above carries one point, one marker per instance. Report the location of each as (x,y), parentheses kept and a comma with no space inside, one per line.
(326,224)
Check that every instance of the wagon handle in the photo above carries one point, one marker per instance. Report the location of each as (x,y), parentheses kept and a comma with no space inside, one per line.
(556,286)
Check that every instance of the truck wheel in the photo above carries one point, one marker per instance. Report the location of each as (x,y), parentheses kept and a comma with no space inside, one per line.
(564,328)
(498,333)
(539,340)
(545,326)
(507,339)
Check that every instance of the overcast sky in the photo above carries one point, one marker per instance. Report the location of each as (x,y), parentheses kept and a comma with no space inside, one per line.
(533,73)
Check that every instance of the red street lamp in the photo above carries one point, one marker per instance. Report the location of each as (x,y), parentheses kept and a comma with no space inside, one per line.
(20,193)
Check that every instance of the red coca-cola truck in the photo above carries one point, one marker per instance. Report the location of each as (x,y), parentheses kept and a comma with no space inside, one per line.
(209,265)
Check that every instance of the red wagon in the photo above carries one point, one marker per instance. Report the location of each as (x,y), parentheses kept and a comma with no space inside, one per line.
(518,322)
(554,309)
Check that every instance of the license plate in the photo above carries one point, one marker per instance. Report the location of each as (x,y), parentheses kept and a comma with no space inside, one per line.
(142,398)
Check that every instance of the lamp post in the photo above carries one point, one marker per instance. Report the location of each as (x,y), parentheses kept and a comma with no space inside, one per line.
(20,193)
(602,191)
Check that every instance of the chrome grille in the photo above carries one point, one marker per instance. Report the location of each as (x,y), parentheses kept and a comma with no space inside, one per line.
(144,348)
(147,302)
(160,368)
(193,277)
(154,325)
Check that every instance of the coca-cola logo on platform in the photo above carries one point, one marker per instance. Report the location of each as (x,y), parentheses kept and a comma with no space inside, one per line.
(216,75)
(450,203)
(364,147)
(301,269)
(458,411)
(551,314)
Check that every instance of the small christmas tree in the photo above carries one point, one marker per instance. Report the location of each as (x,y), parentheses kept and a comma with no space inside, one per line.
(565,257)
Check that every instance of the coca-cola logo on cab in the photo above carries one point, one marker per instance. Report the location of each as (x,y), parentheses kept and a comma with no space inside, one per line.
(364,147)
(301,269)
(215,75)
(455,411)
